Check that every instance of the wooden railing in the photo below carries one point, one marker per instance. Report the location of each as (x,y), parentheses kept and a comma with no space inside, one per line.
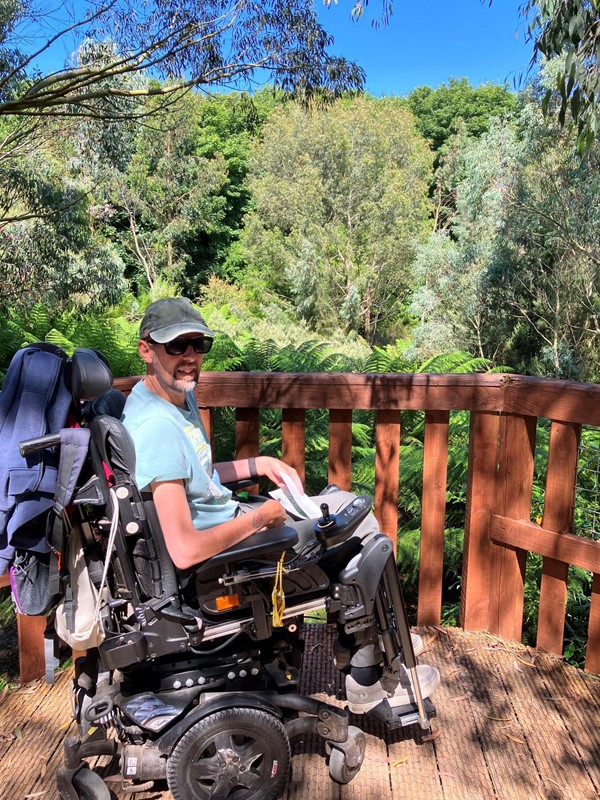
(499,533)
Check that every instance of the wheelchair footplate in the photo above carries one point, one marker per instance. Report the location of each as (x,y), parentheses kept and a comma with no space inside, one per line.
(401,716)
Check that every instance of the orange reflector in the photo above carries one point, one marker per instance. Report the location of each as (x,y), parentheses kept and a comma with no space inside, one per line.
(227,601)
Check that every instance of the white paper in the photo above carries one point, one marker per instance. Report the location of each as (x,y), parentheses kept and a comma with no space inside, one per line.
(296,503)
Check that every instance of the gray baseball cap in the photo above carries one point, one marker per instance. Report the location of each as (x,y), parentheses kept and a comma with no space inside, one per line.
(167,319)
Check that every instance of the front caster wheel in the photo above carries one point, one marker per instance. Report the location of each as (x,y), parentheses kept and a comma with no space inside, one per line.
(237,753)
(339,770)
(345,759)
(90,786)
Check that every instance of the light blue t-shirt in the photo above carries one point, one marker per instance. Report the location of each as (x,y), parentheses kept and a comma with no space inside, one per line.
(171,444)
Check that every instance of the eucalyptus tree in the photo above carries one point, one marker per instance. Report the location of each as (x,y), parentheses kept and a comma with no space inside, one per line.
(517,280)
(191,43)
(107,57)
(340,202)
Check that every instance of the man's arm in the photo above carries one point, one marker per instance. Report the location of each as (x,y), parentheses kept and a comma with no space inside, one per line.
(187,545)
(271,468)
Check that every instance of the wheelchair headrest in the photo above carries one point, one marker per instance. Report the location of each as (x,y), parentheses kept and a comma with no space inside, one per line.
(90,374)
(111,404)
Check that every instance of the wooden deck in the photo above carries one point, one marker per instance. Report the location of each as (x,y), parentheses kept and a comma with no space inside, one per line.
(511,723)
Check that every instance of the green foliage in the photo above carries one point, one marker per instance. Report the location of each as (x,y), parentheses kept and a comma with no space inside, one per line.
(439,112)
(340,199)
(192,43)
(115,337)
(569,31)
(515,277)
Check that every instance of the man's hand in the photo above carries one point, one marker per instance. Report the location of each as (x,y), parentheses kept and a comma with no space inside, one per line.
(272,469)
(269,515)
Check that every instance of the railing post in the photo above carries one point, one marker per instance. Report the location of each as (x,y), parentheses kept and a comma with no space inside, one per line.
(340,448)
(514,485)
(433,517)
(387,472)
(558,516)
(32,662)
(592,654)
(247,430)
(294,439)
(481,502)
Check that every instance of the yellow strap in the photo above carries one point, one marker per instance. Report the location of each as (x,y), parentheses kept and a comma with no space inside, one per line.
(278,597)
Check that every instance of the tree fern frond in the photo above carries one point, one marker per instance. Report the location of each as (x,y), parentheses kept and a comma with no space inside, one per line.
(456,362)
(361,434)
(39,322)
(56,337)
(379,361)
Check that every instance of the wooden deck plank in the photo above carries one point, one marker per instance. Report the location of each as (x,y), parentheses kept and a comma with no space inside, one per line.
(488,694)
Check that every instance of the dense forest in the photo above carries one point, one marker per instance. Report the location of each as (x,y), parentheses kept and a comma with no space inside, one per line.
(457,218)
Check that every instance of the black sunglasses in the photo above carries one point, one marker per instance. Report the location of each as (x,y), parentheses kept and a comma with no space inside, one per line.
(177,347)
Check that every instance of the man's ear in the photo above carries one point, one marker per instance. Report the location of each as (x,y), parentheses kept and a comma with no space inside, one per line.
(145,351)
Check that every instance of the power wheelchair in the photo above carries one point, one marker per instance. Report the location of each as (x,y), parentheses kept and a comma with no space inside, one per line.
(195,682)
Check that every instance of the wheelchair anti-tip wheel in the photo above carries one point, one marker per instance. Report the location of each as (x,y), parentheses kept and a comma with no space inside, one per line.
(241,753)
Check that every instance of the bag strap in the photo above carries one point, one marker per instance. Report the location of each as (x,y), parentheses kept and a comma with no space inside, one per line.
(74,444)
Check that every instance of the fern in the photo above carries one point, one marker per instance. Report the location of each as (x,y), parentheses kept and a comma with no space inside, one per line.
(456,362)
(56,337)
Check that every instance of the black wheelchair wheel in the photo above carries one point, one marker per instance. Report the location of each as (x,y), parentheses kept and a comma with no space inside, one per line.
(90,786)
(234,754)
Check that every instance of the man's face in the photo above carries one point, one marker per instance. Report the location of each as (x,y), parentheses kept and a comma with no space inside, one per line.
(178,373)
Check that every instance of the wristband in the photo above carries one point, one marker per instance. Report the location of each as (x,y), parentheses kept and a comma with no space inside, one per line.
(254,476)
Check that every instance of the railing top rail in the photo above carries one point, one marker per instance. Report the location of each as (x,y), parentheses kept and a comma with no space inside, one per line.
(566,401)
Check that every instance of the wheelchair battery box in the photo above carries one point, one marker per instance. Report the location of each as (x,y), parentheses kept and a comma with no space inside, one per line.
(122,650)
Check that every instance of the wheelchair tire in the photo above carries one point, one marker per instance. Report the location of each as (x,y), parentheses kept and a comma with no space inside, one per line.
(237,753)
(90,786)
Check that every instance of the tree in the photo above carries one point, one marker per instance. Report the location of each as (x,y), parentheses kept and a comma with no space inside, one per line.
(570,30)
(518,279)
(168,199)
(192,43)
(440,111)
(340,198)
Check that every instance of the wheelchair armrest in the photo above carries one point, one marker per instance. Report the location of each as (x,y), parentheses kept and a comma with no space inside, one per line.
(239,486)
(259,544)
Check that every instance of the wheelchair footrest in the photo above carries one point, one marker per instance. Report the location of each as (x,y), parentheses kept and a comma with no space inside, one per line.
(400,716)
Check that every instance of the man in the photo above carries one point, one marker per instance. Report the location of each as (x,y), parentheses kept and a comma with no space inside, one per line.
(197,513)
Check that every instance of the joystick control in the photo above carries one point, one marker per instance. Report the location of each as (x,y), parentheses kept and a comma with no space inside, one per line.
(331,529)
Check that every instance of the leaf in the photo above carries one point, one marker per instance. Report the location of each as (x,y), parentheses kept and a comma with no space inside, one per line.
(527,663)
(18,733)
(513,738)
(431,736)
(546,102)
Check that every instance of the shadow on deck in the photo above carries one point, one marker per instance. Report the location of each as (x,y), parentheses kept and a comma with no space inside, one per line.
(511,723)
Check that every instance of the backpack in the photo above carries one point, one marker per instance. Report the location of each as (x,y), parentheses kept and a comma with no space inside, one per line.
(77,616)
(52,562)
(34,401)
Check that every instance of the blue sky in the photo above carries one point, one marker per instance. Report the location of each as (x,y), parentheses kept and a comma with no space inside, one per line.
(424,44)
(429,42)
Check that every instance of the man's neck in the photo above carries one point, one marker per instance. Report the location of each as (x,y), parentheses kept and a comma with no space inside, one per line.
(153,385)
